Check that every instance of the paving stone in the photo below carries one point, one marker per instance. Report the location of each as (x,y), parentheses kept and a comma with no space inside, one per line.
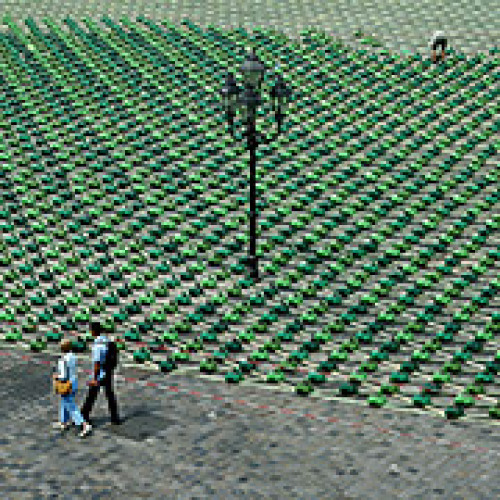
(197,455)
(216,442)
(405,26)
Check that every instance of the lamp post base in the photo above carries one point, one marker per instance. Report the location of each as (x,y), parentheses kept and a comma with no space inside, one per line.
(253,268)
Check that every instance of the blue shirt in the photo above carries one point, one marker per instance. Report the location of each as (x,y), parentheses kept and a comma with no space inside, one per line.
(99,350)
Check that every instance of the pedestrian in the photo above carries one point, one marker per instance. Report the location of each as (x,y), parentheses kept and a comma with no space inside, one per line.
(438,40)
(66,372)
(102,375)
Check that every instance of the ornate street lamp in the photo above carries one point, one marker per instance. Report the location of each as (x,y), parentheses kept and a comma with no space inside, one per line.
(247,101)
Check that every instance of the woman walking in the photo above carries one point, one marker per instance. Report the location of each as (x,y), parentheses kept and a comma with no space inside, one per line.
(67,372)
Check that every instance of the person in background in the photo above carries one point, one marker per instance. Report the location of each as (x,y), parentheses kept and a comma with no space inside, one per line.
(101,376)
(438,40)
(66,370)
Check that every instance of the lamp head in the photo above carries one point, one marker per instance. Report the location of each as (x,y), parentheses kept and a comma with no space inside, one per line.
(253,71)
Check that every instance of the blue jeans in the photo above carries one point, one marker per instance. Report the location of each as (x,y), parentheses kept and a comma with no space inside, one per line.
(70,410)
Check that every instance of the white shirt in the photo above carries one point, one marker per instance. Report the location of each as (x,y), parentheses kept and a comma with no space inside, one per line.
(66,369)
(437,34)
(66,366)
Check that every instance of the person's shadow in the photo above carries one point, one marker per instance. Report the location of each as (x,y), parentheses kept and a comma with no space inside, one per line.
(138,424)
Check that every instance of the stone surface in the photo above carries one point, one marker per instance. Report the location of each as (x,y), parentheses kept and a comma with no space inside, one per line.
(205,439)
(405,25)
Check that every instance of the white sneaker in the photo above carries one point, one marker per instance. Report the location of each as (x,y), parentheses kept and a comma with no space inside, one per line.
(60,426)
(87,428)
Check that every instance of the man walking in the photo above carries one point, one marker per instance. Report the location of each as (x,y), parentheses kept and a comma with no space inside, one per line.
(438,40)
(102,376)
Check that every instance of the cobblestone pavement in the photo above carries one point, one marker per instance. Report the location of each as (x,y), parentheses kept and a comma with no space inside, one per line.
(186,437)
(402,25)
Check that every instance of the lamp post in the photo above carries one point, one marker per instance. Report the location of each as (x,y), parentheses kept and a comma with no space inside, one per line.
(248,100)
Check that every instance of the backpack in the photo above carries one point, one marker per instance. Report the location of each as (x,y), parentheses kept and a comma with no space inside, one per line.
(111,360)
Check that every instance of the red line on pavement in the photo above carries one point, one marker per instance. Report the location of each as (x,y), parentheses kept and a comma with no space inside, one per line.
(454,444)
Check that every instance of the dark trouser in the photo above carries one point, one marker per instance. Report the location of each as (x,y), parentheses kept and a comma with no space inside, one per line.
(107,383)
(439,42)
